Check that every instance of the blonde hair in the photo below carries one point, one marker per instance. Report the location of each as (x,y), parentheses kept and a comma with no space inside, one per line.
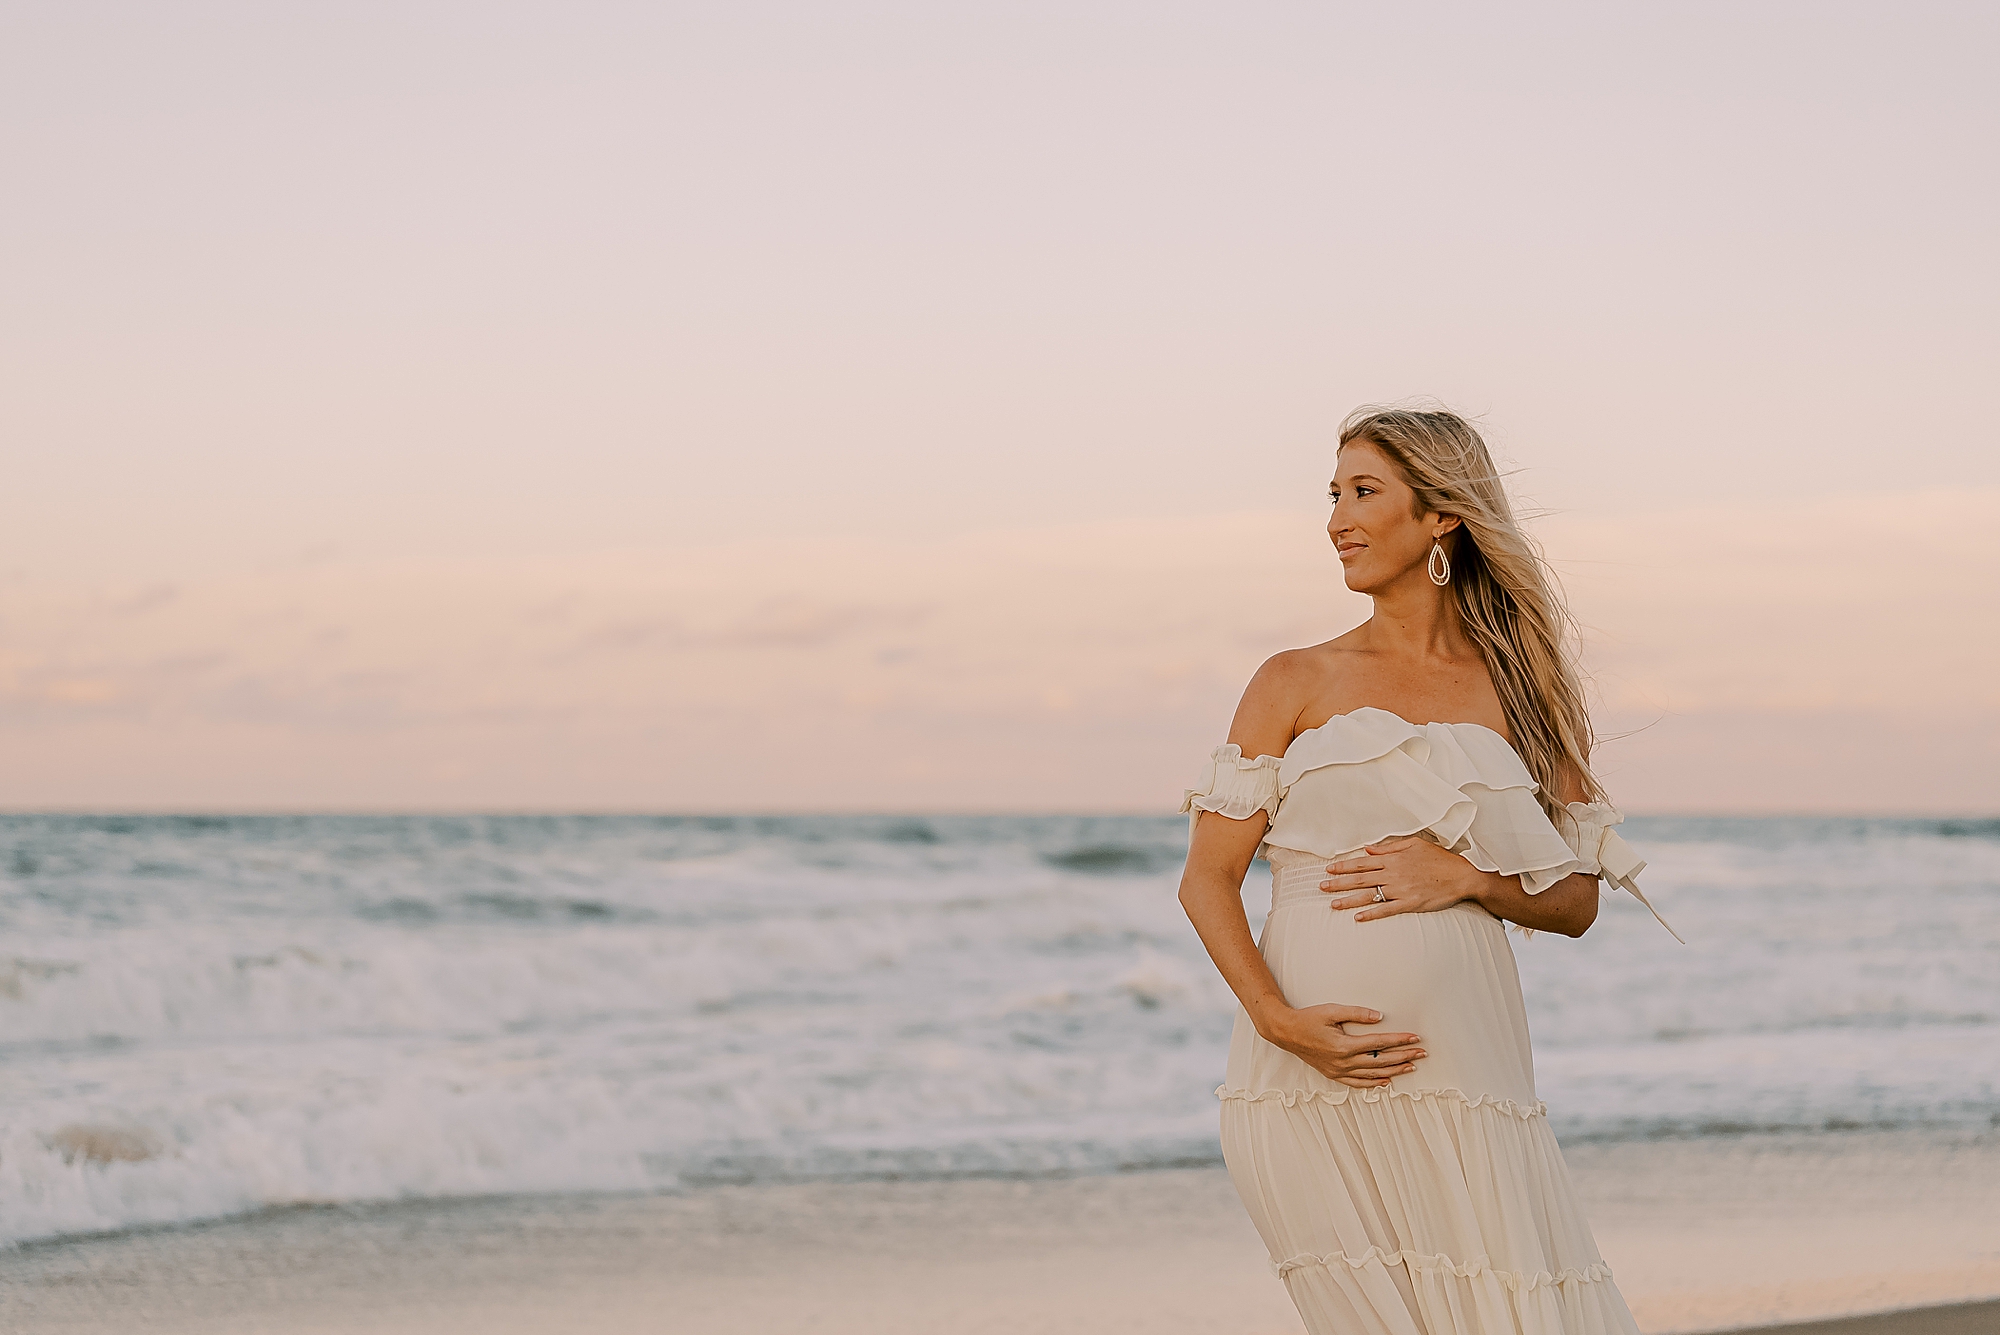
(1508,599)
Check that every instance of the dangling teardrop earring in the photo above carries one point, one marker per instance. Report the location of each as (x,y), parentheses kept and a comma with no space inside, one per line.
(1439,566)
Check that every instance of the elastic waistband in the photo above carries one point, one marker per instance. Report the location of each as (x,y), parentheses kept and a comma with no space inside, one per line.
(1295,877)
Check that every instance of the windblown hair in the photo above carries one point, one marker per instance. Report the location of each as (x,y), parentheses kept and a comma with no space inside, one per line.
(1508,597)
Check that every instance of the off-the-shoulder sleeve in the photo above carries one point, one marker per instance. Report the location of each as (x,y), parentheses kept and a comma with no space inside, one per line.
(1604,852)
(1234,787)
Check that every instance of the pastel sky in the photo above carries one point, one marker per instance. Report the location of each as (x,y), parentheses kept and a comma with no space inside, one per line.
(895,406)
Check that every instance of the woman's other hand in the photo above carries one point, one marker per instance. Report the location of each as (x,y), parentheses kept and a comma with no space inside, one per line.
(1314,1035)
(1406,875)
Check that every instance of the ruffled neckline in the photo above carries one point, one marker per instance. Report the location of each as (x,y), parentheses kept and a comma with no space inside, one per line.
(1391,716)
(1468,752)
(1462,785)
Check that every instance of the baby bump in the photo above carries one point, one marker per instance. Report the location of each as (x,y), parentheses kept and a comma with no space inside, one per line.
(1448,977)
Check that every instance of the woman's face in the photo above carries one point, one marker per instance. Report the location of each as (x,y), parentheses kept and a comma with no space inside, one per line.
(1379,538)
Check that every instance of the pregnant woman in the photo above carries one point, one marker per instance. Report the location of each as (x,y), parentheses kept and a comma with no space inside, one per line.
(1413,784)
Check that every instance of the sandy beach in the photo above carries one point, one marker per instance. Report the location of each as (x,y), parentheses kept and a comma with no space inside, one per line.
(1705,1235)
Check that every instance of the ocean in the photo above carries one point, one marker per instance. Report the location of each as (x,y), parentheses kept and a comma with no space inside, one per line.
(204,1015)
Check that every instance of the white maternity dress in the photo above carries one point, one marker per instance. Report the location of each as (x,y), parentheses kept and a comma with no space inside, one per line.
(1440,1204)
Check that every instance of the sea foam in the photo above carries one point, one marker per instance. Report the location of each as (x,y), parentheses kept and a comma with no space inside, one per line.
(267,1011)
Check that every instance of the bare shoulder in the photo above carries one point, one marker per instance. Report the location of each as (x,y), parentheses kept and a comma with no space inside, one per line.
(1280,692)
(1318,669)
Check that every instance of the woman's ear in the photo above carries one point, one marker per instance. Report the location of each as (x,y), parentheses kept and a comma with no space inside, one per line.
(1445,524)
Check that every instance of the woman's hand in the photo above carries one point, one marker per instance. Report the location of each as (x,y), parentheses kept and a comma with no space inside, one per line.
(1314,1035)
(1406,875)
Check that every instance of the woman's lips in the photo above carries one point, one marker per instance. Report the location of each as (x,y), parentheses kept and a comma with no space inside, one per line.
(1347,549)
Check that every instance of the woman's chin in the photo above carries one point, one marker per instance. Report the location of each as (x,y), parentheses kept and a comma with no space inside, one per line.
(1371,579)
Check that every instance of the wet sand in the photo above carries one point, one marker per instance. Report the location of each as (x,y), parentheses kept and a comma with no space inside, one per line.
(1957,1319)
(1704,1235)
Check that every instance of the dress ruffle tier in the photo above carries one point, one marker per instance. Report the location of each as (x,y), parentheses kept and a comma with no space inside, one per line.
(1426,1213)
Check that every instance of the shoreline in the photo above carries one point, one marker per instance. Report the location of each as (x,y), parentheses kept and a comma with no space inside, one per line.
(1976,1318)
(1743,1140)
(1727,1234)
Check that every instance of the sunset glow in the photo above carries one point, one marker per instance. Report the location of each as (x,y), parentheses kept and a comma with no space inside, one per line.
(769,408)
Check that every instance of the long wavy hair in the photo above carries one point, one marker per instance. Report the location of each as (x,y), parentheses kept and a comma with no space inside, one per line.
(1508,598)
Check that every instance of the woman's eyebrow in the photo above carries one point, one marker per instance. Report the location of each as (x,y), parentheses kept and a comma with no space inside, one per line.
(1359,477)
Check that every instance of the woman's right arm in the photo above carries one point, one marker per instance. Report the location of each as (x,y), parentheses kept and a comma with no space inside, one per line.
(1219,856)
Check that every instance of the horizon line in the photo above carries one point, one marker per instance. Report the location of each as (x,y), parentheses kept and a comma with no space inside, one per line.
(888,813)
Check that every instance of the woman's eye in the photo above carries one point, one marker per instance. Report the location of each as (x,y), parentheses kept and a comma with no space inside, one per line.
(1364,491)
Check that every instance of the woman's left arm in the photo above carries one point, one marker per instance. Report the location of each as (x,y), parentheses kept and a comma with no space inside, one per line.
(1569,906)
(1416,876)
